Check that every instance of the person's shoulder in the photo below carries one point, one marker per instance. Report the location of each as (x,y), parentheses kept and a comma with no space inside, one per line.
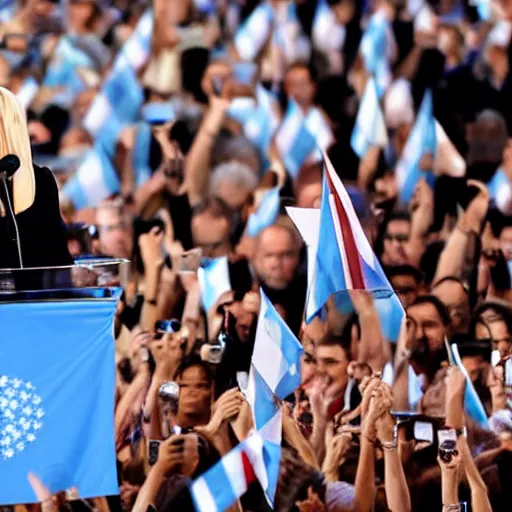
(43,173)
(45,181)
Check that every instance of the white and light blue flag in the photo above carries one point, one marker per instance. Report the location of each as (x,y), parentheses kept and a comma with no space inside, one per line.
(370,127)
(94,180)
(422,141)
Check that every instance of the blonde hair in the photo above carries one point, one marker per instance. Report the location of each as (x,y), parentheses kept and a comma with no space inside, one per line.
(14,139)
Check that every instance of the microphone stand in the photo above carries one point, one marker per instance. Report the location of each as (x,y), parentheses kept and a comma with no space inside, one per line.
(3,178)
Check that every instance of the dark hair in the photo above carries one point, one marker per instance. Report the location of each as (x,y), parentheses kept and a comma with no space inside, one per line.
(190,361)
(451,279)
(398,215)
(502,309)
(302,65)
(440,307)
(342,340)
(404,270)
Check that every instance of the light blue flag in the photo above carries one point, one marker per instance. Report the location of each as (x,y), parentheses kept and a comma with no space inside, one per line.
(266,214)
(375,51)
(421,141)
(500,190)
(213,277)
(294,140)
(484,9)
(277,351)
(94,181)
(141,150)
(370,128)
(57,383)
(472,402)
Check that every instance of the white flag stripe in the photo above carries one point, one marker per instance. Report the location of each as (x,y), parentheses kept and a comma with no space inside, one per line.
(363,246)
(272,430)
(265,350)
(254,453)
(203,497)
(90,176)
(97,115)
(234,468)
(341,243)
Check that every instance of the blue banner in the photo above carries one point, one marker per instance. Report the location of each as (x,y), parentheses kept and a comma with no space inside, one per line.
(57,382)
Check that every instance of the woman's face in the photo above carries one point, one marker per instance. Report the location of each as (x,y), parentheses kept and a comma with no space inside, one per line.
(80,13)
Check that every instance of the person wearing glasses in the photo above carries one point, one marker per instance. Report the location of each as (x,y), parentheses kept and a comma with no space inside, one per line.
(395,239)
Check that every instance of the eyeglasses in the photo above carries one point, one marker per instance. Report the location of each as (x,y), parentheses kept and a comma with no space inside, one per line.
(163,327)
(398,237)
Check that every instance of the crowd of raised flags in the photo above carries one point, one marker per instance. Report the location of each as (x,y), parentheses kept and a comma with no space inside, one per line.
(340,257)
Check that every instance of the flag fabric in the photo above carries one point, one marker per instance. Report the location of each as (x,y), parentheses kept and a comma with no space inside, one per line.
(266,213)
(274,374)
(483,8)
(252,35)
(121,95)
(119,100)
(370,128)
(27,92)
(327,34)
(344,259)
(301,137)
(213,277)
(500,190)
(94,181)
(57,398)
(378,48)
(422,141)
(277,351)
(472,402)
(219,487)
(259,119)
(140,154)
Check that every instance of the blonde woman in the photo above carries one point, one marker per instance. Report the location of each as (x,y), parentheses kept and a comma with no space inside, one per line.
(33,199)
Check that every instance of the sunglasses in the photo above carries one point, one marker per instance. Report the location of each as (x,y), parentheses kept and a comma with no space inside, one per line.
(163,327)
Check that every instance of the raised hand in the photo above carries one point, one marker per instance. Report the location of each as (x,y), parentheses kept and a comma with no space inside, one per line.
(150,245)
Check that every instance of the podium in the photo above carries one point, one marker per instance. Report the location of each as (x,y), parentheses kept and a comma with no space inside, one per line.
(57,378)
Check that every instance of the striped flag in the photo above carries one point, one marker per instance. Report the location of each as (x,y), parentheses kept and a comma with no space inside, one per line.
(121,95)
(327,34)
(213,277)
(252,35)
(219,487)
(302,137)
(344,258)
(378,48)
(472,402)
(94,181)
(277,351)
(259,119)
(500,190)
(140,155)
(370,128)
(266,213)
(422,141)
(27,91)
(274,374)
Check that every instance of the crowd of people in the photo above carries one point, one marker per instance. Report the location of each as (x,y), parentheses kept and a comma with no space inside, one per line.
(220,104)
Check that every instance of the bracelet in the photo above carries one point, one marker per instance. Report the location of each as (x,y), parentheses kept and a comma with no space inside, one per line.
(451,508)
(461,432)
(389,445)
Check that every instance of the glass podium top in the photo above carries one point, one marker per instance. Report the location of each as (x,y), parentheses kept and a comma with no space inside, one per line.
(86,274)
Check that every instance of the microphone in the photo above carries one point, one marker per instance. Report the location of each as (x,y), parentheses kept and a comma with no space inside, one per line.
(9,164)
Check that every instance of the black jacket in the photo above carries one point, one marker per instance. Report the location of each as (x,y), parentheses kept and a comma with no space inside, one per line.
(41,229)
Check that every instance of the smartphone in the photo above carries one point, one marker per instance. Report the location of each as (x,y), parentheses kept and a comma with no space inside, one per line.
(154,446)
(447,444)
(217,85)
